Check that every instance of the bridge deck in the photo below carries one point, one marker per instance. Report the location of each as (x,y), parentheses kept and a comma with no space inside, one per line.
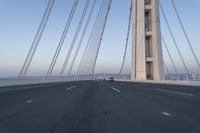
(98,107)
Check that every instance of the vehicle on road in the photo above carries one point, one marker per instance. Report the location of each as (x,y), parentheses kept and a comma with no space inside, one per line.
(111,79)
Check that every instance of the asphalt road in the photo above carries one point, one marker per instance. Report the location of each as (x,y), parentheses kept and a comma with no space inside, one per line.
(99,107)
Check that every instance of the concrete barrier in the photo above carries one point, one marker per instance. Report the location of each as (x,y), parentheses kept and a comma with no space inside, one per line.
(14,82)
(187,83)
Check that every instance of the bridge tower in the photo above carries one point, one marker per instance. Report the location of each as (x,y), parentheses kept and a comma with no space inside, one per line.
(147,56)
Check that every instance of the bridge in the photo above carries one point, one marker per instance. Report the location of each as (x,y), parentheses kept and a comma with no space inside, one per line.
(152,86)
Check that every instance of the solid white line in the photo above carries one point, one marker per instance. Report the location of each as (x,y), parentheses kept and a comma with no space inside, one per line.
(175,92)
(166,114)
(71,87)
(115,89)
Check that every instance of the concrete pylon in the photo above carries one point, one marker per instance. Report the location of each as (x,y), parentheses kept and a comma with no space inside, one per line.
(147,56)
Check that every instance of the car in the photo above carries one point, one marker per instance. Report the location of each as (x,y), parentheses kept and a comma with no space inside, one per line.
(111,79)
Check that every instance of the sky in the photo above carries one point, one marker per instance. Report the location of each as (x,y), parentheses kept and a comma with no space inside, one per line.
(19,20)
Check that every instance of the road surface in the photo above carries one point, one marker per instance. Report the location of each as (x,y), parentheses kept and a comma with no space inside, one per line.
(99,107)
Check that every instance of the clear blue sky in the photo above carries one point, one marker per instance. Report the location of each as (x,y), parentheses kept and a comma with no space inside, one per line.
(19,20)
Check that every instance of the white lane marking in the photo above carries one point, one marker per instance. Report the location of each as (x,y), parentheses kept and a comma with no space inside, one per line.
(115,89)
(71,87)
(29,101)
(166,114)
(175,92)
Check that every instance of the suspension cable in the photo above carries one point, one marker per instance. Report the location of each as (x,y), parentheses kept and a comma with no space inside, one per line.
(68,23)
(34,50)
(99,45)
(185,33)
(172,35)
(82,37)
(75,38)
(167,70)
(127,39)
(169,54)
(88,44)
(36,40)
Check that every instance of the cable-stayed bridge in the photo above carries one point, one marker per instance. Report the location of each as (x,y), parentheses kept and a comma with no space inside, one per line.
(154,89)
(79,54)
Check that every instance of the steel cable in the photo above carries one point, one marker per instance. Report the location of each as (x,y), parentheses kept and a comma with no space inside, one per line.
(68,23)
(89,40)
(172,35)
(75,38)
(185,33)
(169,54)
(99,45)
(82,37)
(36,39)
(127,39)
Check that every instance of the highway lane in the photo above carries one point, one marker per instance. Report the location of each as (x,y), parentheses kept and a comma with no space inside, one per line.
(99,107)
(182,110)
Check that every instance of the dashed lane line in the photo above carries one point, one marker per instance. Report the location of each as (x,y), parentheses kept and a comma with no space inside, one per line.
(71,87)
(166,114)
(115,89)
(29,101)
